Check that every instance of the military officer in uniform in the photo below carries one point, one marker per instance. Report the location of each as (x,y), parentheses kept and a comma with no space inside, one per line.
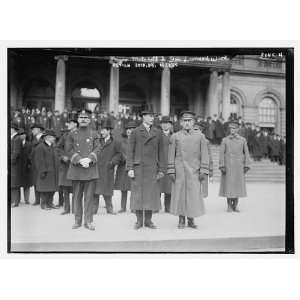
(234,163)
(187,165)
(82,146)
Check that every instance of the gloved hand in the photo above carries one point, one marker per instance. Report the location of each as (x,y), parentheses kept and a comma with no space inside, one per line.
(65,159)
(246,169)
(131,174)
(172,177)
(43,175)
(201,176)
(160,175)
(223,170)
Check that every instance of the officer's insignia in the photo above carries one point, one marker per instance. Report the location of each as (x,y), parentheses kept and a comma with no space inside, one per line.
(87,140)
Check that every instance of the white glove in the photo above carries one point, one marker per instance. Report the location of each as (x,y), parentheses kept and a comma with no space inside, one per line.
(131,174)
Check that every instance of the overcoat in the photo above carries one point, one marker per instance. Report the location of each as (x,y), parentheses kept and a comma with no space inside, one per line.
(204,183)
(26,165)
(219,130)
(234,156)
(15,161)
(188,157)
(275,147)
(82,143)
(122,181)
(35,143)
(258,144)
(108,157)
(264,141)
(146,157)
(209,130)
(165,182)
(46,161)
(63,165)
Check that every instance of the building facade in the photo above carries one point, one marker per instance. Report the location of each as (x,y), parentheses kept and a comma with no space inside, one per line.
(249,86)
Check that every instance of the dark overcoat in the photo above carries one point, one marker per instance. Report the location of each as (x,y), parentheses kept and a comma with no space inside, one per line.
(219,130)
(26,165)
(35,143)
(82,143)
(275,147)
(15,161)
(204,183)
(234,156)
(122,181)
(258,146)
(63,165)
(108,157)
(165,182)
(146,157)
(264,141)
(46,161)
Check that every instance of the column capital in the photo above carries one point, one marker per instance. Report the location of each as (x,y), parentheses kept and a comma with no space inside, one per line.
(61,57)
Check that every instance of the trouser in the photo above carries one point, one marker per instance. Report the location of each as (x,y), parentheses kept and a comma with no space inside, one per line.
(167,202)
(108,203)
(66,199)
(15,196)
(84,188)
(26,192)
(140,214)
(46,199)
(124,199)
(232,202)
(61,196)
(37,196)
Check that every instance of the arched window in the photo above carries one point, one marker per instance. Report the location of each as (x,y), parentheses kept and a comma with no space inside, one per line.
(234,106)
(267,111)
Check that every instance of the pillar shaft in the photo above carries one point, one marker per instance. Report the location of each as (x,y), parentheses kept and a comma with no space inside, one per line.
(114,90)
(60,86)
(165,91)
(226,96)
(212,106)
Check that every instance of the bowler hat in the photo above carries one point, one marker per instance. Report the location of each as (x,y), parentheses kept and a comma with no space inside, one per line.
(187,114)
(130,124)
(165,119)
(49,132)
(147,112)
(233,124)
(107,123)
(37,125)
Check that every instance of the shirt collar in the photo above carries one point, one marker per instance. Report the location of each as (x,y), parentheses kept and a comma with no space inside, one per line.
(148,127)
(49,144)
(14,134)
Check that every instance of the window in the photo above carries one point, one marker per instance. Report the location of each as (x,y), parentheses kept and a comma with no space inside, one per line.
(267,113)
(234,107)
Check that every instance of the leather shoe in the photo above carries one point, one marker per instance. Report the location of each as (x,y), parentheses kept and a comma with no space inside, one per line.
(65,213)
(111,212)
(138,225)
(150,225)
(53,206)
(76,225)
(89,226)
(191,224)
(121,211)
(45,207)
(36,203)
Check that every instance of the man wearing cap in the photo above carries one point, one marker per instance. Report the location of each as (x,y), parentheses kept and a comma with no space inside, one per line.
(122,181)
(15,165)
(81,147)
(165,182)
(187,163)
(146,166)
(37,132)
(47,167)
(64,162)
(234,163)
(108,156)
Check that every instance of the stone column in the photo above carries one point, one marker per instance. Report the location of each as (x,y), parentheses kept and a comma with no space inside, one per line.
(212,106)
(165,91)
(226,96)
(114,90)
(60,86)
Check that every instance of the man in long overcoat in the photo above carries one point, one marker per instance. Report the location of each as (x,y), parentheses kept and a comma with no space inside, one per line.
(187,163)
(64,162)
(108,156)
(146,166)
(47,169)
(82,147)
(234,163)
(15,165)
(122,181)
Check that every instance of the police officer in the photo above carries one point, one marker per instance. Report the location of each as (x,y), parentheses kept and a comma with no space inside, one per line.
(82,146)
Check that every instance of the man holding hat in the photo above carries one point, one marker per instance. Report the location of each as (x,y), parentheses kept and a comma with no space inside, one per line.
(108,156)
(122,181)
(165,182)
(37,132)
(47,169)
(234,163)
(187,163)
(15,165)
(82,146)
(146,166)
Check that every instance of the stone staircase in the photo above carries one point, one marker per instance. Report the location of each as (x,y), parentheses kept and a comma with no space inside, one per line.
(261,171)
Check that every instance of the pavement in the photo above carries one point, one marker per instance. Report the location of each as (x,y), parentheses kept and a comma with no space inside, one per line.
(259,227)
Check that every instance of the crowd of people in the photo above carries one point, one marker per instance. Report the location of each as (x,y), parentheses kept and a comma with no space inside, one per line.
(53,152)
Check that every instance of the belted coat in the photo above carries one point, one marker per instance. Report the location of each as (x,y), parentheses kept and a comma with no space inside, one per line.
(146,157)
(234,156)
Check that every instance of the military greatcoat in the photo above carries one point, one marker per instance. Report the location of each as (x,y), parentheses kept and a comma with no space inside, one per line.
(234,156)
